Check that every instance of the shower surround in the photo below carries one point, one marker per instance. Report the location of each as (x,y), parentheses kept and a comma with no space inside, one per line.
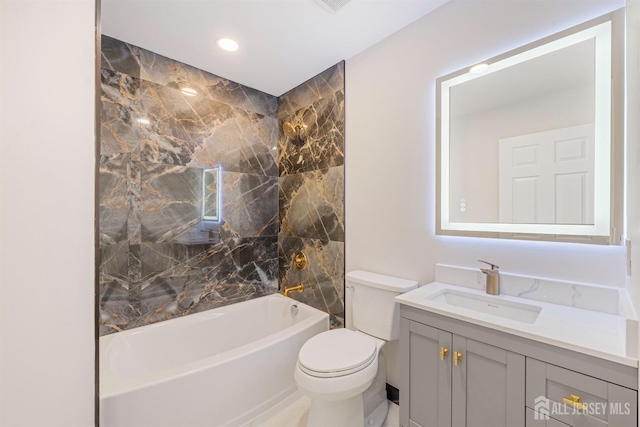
(188,190)
(311,192)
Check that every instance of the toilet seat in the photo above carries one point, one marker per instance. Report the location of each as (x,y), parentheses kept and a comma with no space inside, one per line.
(337,353)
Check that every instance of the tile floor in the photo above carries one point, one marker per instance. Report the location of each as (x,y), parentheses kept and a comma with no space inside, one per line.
(295,410)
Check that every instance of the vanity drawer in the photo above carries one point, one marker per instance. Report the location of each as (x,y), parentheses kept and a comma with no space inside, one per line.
(577,399)
(534,419)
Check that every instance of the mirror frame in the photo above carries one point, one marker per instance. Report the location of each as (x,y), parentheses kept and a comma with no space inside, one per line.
(607,30)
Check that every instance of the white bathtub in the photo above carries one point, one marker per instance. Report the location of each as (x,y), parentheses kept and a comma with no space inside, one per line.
(221,367)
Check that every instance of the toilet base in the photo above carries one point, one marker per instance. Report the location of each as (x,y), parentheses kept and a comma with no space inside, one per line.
(375,397)
(343,413)
(378,416)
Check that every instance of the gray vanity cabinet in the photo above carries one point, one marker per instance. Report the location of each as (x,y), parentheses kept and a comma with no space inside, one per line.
(458,374)
(456,381)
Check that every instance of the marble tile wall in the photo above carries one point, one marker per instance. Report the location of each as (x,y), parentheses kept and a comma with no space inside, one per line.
(162,152)
(311,192)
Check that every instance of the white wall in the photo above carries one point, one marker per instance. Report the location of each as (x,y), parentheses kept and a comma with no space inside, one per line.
(46,213)
(390,146)
(633,147)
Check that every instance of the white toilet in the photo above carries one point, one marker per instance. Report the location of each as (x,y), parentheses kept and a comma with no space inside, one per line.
(342,371)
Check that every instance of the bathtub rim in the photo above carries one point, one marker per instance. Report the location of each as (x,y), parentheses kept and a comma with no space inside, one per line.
(114,385)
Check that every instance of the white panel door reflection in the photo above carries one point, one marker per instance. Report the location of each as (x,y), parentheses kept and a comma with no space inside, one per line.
(547,177)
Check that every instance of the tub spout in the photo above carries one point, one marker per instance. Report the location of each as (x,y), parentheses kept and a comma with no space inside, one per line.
(297,288)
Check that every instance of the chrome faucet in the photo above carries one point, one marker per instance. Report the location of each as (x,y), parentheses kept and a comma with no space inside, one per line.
(493,278)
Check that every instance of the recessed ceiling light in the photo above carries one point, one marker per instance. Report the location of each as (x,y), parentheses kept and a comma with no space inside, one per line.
(188,91)
(228,44)
(479,68)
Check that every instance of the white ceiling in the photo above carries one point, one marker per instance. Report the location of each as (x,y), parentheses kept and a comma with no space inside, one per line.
(282,42)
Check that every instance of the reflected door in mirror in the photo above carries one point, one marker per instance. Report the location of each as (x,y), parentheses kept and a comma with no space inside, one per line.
(547,177)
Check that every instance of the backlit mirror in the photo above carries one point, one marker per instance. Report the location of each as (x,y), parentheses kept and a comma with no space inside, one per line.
(525,141)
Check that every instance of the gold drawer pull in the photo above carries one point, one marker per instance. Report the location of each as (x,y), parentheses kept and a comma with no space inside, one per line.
(575,401)
(443,352)
(456,357)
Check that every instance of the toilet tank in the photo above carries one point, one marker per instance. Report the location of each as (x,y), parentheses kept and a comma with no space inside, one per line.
(374,309)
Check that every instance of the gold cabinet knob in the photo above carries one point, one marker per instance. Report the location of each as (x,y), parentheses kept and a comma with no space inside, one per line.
(443,352)
(456,357)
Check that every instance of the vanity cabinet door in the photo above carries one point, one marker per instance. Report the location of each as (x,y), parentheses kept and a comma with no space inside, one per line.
(425,356)
(488,387)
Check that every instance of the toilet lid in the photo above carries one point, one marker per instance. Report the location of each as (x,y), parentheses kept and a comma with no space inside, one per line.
(336,353)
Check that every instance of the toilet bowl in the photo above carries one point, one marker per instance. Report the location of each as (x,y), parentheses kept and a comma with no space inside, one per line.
(334,369)
(343,371)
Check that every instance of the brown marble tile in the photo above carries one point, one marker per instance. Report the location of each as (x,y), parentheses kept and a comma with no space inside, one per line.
(323,278)
(311,204)
(120,56)
(323,145)
(168,72)
(119,113)
(199,132)
(324,84)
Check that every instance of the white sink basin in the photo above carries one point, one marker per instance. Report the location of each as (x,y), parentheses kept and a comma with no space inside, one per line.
(521,312)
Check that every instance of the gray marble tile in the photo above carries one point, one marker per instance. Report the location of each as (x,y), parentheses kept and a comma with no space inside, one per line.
(171,198)
(113,264)
(182,279)
(244,143)
(168,297)
(120,56)
(134,265)
(168,72)
(174,127)
(113,287)
(324,84)
(177,259)
(199,132)
(134,203)
(119,113)
(323,146)
(241,96)
(114,302)
(171,205)
(112,196)
(323,278)
(311,204)
(160,258)
(250,205)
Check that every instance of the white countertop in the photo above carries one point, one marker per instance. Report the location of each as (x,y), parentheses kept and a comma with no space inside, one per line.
(590,332)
